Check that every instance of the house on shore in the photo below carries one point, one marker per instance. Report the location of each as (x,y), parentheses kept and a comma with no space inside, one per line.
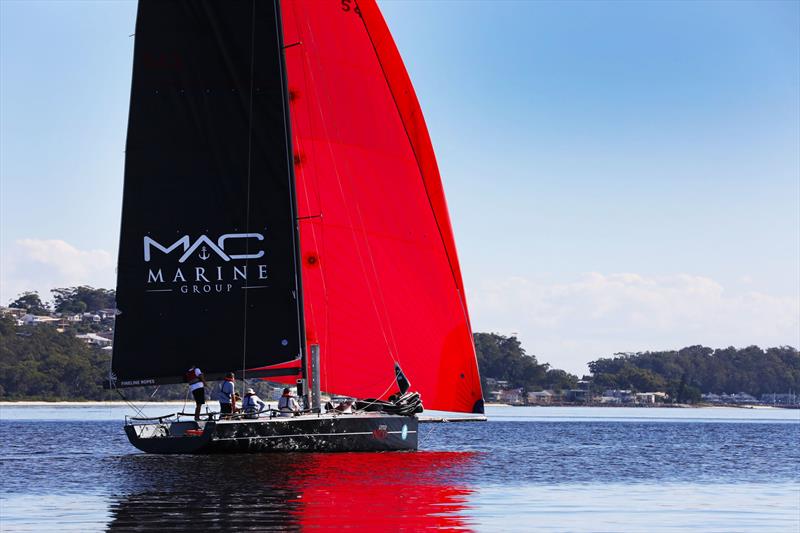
(36,320)
(725,398)
(107,314)
(787,398)
(540,397)
(13,312)
(91,317)
(578,396)
(93,339)
(650,398)
(509,396)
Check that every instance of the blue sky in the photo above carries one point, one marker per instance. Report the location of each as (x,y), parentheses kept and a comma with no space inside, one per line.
(621,176)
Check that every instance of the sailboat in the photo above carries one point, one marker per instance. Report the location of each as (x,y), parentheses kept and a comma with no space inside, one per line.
(283,217)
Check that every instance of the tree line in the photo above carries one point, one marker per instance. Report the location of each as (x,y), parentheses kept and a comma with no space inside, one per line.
(503,358)
(72,300)
(695,370)
(38,362)
(42,363)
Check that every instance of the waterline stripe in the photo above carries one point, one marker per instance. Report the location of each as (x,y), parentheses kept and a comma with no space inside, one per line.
(311,435)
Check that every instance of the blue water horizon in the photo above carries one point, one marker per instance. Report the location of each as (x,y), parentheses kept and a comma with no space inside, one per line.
(526,468)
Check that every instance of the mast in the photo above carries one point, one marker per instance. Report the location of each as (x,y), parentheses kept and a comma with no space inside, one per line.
(293,200)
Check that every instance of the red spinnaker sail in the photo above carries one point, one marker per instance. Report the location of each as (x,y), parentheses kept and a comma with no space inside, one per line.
(381,281)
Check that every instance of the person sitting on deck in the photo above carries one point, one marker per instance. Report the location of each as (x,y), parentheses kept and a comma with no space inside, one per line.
(345,407)
(252,404)
(227,395)
(287,404)
(194,377)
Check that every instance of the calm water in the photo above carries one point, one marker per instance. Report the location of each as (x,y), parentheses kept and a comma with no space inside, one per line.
(557,469)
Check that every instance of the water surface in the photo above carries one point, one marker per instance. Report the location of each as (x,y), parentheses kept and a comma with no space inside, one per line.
(558,469)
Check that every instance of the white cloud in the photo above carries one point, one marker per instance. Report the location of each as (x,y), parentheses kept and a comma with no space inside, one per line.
(41,265)
(570,323)
(566,323)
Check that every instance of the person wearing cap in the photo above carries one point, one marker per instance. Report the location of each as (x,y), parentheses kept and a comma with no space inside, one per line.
(287,404)
(252,404)
(194,377)
(227,395)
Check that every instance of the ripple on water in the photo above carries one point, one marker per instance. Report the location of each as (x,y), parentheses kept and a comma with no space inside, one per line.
(510,474)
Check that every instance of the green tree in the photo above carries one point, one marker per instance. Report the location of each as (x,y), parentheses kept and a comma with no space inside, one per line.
(691,371)
(31,302)
(83,299)
(503,358)
(640,379)
(558,380)
(41,362)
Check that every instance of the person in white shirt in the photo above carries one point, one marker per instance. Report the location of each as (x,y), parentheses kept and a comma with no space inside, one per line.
(252,404)
(194,377)
(287,404)
(346,407)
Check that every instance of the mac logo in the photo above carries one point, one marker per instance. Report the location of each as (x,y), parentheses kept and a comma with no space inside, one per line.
(205,245)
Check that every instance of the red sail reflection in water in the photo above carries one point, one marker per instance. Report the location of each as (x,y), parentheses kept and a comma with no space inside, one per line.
(365,491)
(384,491)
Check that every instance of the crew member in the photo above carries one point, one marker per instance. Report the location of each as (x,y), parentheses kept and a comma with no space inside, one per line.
(227,395)
(252,404)
(287,404)
(345,407)
(194,377)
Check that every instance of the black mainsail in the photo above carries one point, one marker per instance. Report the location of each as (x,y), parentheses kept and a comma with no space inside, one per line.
(207,271)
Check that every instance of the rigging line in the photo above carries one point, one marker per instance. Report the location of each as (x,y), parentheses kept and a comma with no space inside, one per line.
(317,241)
(185,399)
(391,342)
(377,398)
(450,260)
(293,203)
(317,234)
(127,402)
(249,177)
(391,345)
(424,438)
(147,402)
(416,157)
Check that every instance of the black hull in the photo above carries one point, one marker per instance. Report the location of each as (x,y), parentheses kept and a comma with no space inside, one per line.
(311,433)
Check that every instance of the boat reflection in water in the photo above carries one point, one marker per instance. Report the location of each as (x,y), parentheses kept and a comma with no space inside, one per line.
(374,491)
